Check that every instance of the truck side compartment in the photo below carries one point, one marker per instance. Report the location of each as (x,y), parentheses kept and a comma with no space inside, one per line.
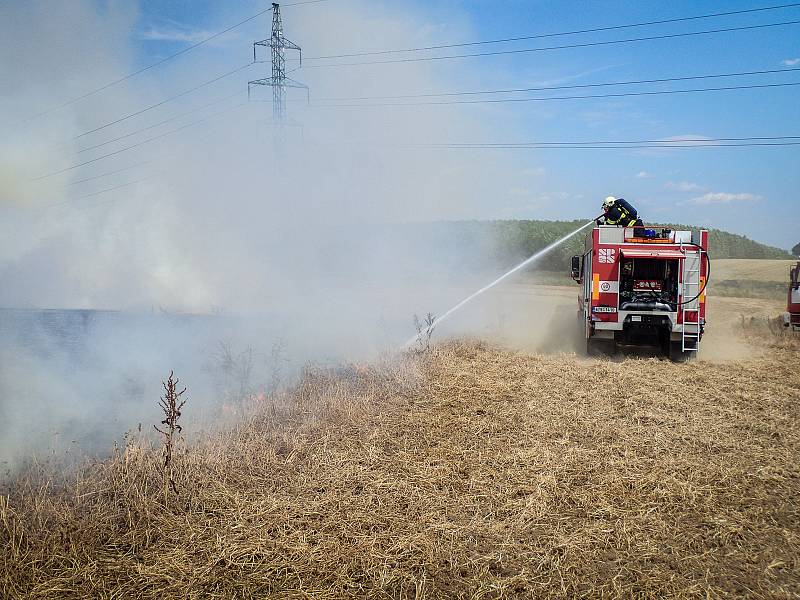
(793,301)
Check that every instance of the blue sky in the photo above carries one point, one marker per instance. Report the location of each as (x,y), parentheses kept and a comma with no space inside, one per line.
(748,190)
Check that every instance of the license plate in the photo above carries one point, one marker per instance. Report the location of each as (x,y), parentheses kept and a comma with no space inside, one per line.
(604,309)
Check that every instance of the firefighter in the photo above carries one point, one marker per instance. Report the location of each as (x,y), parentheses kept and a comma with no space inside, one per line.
(618,211)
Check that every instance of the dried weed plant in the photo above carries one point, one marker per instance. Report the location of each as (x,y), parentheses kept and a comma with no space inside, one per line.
(424,328)
(233,371)
(171,404)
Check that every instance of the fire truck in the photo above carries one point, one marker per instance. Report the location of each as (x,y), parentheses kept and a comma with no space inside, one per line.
(792,317)
(643,286)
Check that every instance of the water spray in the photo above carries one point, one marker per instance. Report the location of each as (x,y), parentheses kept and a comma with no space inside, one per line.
(503,277)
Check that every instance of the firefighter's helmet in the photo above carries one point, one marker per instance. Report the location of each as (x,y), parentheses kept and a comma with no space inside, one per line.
(609,202)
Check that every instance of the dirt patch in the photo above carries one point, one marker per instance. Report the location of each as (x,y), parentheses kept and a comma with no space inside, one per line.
(724,339)
(539,318)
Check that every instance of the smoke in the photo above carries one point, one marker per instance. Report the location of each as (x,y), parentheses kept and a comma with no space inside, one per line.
(528,261)
(308,244)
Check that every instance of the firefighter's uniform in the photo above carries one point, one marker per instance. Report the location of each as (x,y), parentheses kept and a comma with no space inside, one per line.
(620,213)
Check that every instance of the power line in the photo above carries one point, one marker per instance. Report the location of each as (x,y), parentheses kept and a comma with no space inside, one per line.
(562,47)
(543,99)
(165,134)
(619,147)
(162,102)
(666,143)
(601,147)
(163,60)
(160,123)
(97,193)
(156,159)
(683,142)
(115,172)
(562,87)
(548,35)
(301,3)
(720,142)
(723,142)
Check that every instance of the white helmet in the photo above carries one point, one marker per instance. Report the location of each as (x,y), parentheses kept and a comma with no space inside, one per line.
(609,202)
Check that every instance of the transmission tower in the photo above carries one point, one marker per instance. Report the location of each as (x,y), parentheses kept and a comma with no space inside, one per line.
(278,44)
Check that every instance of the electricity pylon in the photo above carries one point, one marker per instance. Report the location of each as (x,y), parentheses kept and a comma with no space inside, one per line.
(279,81)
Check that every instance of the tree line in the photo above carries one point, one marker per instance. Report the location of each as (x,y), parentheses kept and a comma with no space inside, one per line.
(508,242)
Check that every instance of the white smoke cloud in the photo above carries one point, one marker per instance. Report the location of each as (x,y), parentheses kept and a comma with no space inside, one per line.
(304,241)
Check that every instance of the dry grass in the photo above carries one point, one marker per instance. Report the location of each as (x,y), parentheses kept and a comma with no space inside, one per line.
(468,472)
(770,332)
(750,278)
(754,269)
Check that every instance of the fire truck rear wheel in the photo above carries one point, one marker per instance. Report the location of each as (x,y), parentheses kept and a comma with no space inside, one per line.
(677,354)
(595,347)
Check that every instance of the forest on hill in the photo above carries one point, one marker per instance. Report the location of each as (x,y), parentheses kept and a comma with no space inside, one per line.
(506,242)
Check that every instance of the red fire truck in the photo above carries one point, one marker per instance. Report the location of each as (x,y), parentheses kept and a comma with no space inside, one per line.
(793,304)
(643,286)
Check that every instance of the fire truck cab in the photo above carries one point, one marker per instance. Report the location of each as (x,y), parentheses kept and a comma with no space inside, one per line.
(793,304)
(643,286)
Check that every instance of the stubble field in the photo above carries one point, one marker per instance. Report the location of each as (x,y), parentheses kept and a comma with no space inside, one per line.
(477,469)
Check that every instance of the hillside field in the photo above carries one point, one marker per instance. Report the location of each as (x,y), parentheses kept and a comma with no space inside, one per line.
(752,278)
(776,271)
